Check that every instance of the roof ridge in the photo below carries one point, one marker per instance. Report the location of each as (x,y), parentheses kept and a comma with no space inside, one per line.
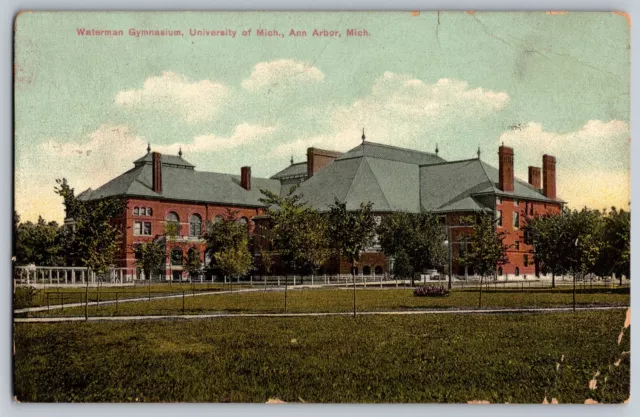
(377,183)
(447,162)
(395,147)
(493,187)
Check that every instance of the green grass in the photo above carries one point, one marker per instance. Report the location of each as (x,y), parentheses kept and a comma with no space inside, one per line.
(452,358)
(341,300)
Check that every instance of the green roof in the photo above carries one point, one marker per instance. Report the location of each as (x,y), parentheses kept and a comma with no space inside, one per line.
(166,159)
(185,184)
(294,170)
(391,153)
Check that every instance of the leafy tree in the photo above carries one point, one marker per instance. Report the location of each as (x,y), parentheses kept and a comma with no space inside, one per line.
(615,255)
(93,240)
(545,235)
(193,264)
(228,243)
(297,233)
(418,237)
(39,243)
(402,265)
(582,237)
(150,257)
(487,249)
(350,233)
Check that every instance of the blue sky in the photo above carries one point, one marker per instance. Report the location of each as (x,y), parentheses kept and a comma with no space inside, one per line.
(85,107)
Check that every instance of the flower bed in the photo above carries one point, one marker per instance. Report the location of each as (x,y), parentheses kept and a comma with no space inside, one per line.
(430,291)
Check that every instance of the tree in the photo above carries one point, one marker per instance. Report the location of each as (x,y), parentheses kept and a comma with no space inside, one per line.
(545,235)
(193,265)
(487,249)
(39,243)
(94,240)
(228,243)
(615,255)
(150,257)
(581,236)
(350,233)
(417,238)
(297,233)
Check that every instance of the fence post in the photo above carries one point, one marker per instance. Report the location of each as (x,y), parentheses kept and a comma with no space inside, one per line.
(62,300)
(311,279)
(47,301)
(183,302)
(86,303)
(116,302)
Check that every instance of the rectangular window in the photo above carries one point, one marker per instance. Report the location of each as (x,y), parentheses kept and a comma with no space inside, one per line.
(499,217)
(516,203)
(498,200)
(526,260)
(142,228)
(516,220)
(516,245)
(137,228)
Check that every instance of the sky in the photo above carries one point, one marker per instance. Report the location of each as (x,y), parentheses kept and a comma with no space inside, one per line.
(87,106)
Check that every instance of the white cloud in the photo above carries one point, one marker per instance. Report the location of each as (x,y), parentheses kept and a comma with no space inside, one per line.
(402,110)
(598,144)
(281,72)
(243,134)
(174,93)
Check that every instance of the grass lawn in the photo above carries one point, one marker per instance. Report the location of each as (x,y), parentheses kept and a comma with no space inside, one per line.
(452,358)
(341,300)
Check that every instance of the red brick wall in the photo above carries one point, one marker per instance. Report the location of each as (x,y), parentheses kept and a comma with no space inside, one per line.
(184,210)
(516,256)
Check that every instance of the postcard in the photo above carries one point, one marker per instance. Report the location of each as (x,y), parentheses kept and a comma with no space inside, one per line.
(326,207)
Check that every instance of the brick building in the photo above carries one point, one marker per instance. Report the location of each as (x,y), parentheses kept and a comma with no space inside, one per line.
(163,189)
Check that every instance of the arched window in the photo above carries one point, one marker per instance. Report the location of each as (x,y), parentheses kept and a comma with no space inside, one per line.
(378,270)
(195,225)
(500,271)
(173,223)
(217,219)
(149,211)
(517,271)
(244,221)
(176,256)
(136,211)
(366,270)
(207,258)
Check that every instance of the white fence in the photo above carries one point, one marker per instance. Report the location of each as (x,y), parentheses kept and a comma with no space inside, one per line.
(70,276)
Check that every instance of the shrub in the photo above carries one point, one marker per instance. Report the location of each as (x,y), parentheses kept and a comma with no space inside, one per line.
(24,296)
(430,291)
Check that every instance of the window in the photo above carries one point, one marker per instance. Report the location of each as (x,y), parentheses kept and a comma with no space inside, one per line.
(516,245)
(243,221)
(516,203)
(499,271)
(526,260)
(173,223)
(141,228)
(217,219)
(136,211)
(498,200)
(366,270)
(517,271)
(442,219)
(149,211)
(176,256)
(499,217)
(378,270)
(516,220)
(195,225)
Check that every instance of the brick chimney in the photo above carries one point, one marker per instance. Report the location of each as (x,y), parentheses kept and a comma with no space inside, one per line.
(505,156)
(318,159)
(534,177)
(156,176)
(245,178)
(549,176)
